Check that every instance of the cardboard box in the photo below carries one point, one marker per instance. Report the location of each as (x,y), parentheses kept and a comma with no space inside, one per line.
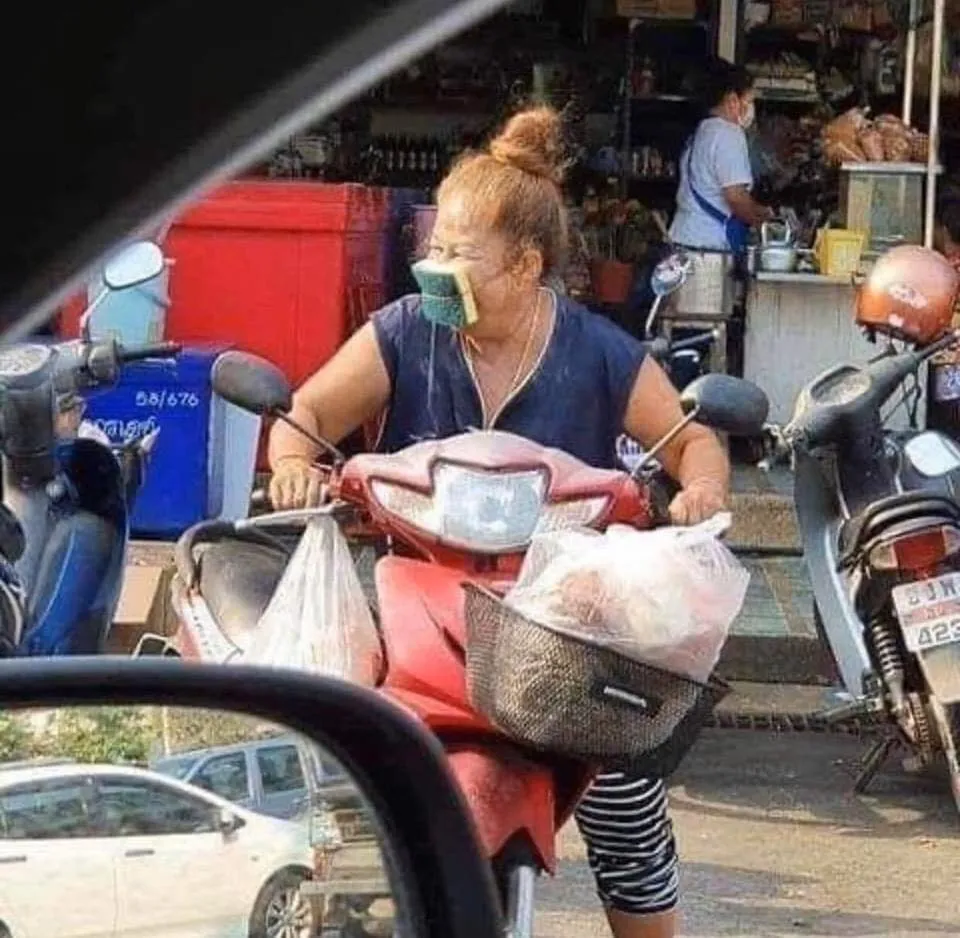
(787,12)
(658,9)
(144,607)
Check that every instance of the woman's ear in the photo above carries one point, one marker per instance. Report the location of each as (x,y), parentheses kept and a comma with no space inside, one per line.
(529,267)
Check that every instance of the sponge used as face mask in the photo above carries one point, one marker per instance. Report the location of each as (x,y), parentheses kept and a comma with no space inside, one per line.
(447,296)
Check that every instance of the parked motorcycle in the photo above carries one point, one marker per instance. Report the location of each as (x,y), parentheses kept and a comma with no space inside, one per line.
(880,527)
(458,510)
(66,494)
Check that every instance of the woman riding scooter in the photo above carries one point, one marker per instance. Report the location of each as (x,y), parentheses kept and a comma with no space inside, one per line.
(502,350)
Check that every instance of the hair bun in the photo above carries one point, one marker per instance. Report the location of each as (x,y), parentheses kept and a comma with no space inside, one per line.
(532,141)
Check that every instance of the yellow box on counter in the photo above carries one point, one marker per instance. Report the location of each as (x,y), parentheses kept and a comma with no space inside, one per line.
(838,251)
(658,9)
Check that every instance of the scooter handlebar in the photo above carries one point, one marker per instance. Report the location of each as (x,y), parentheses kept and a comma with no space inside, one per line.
(87,365)
(141,353)
(660,349)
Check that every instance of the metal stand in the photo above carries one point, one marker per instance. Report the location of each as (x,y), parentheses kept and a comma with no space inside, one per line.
(878,754)
(520,901)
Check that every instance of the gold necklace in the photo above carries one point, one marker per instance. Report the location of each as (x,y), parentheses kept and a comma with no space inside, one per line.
(518,374)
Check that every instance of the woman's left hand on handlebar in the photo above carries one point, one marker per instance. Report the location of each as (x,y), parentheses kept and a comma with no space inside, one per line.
(296,484)
(697,502)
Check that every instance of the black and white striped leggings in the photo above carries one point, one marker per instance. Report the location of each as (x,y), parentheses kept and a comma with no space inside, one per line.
(630,843)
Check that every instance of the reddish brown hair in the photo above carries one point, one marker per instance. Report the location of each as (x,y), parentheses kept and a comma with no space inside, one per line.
(515,184)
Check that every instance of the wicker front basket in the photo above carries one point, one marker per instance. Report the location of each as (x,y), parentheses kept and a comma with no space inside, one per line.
(565,695)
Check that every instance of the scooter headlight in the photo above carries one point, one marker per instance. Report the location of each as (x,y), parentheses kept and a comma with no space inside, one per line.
(473,509)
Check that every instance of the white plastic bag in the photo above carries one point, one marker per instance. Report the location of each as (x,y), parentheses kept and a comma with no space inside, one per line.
(666,598)
(318,618)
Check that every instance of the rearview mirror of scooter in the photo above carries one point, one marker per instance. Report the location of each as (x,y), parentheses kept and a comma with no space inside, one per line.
(667,277)
(252,383)
(730,405)
(670,274)
(135,264)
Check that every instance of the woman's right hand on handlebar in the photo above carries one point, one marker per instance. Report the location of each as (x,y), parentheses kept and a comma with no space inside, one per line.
(297,483)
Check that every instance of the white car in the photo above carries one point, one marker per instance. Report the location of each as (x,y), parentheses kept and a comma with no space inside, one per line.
(104,851)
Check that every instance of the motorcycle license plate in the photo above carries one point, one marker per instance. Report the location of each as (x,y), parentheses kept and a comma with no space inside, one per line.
(929,612)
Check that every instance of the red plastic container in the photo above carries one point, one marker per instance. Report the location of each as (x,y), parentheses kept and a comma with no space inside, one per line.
(283,269)
(287,270)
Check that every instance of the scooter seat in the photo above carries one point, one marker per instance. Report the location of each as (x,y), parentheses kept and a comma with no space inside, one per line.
(237,580)
(858,531)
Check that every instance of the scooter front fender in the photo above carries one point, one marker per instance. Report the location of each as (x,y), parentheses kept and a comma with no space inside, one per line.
(77,587)
(76,583)
(509,796)
(819,518)
(422,625)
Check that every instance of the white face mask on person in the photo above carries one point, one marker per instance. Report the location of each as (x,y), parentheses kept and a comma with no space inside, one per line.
(748,115)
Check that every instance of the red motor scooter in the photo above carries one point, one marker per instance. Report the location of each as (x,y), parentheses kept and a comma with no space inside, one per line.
(458,516)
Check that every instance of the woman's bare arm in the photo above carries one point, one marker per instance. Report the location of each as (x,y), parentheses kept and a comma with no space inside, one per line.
(353,387)
(745,207)
(694,457)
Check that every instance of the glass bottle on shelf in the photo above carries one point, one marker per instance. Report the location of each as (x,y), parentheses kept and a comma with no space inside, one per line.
(400,161)
(390,158)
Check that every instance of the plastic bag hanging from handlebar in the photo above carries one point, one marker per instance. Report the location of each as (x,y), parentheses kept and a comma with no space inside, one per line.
(318,619)
(665,598)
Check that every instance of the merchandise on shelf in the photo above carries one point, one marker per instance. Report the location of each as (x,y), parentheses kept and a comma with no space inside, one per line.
(854,138)
(786,75)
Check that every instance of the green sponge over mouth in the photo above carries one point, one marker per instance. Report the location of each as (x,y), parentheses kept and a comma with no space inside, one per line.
(446,287)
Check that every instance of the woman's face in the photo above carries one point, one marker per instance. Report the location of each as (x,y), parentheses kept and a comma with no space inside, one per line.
(497,275)
(746,108)
(740,108)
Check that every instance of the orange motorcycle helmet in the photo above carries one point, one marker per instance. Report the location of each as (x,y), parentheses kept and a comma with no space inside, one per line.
(910,295)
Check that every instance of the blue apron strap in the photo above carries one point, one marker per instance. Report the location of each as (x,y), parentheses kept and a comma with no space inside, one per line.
(710,209)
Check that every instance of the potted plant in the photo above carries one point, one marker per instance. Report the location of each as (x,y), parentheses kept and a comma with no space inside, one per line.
(616,234)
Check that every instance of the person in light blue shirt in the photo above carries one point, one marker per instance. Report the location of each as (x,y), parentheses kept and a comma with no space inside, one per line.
(715,209)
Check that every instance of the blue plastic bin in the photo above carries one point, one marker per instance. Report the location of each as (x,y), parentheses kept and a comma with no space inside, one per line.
(177,397)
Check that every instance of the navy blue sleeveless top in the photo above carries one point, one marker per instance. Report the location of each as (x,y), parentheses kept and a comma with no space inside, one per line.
(575,399)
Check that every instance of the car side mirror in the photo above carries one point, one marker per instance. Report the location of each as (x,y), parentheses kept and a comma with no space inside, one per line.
(429,875)
(229,823)
(252,383)
(730,405)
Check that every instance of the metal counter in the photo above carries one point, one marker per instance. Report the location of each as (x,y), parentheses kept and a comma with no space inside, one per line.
(799,325)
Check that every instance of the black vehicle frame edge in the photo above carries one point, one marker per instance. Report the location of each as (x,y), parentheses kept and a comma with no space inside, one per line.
(399,766)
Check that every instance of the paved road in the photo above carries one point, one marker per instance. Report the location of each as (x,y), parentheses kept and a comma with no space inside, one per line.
(775,845)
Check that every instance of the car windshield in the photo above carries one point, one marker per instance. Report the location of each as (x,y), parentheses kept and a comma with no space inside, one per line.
(176,768)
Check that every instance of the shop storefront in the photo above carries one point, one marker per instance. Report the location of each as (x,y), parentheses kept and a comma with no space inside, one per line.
(843,144)
(290,259)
